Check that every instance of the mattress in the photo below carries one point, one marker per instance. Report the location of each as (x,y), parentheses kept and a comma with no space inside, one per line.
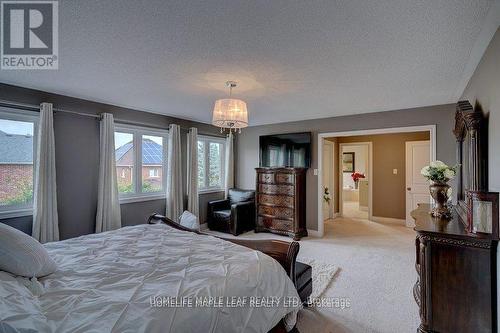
(151,278)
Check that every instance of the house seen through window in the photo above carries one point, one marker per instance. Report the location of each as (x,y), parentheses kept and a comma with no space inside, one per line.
(17,147)
(140,156)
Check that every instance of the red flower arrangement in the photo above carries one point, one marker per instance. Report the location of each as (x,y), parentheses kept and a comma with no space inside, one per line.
(356,176)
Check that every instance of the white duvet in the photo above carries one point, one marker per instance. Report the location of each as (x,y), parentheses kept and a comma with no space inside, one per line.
(107,283)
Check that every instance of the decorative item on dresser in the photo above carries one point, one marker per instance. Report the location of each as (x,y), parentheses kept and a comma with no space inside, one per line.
(456,288)
(281,201)
(439,174)
(482,216)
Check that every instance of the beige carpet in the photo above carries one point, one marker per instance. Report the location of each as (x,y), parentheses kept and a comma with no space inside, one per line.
(350,209)
(322,275)
(376,274)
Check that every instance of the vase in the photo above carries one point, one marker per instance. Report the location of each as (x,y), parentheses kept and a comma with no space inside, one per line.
(356,184)
(439,192)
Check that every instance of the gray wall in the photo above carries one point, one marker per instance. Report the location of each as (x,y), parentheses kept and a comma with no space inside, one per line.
(484,88)
(247,143)
(77,158)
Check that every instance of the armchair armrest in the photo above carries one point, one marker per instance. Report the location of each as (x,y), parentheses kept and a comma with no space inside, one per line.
(242,217)
(243,207)
(218,205)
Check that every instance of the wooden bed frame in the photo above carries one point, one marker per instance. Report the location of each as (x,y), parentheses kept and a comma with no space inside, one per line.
(283,252)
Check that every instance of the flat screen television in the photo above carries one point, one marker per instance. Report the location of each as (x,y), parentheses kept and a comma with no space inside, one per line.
(285,150)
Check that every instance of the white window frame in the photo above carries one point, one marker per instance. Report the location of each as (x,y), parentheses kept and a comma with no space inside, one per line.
(137,133)
(154,173)
(206,140)
(26,116)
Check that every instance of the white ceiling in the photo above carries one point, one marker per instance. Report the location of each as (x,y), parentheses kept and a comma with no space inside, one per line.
(294,59)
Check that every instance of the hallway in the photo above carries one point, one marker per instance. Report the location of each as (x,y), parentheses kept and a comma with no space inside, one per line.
(351,210)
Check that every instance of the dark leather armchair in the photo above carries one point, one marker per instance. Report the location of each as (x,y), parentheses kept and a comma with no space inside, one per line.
(235,214)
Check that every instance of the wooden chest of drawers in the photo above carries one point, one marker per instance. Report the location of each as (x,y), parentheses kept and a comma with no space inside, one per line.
(281,201)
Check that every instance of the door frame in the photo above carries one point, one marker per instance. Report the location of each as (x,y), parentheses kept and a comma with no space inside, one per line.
(331,186)
(321,138)
(369,144)
(407,172)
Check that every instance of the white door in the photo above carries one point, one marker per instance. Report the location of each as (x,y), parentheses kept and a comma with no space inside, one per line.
(417,187)
(327,178)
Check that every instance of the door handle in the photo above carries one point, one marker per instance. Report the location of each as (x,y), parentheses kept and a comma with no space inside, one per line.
(408,188)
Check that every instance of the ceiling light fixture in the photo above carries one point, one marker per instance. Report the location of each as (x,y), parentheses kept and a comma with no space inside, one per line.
(229,112)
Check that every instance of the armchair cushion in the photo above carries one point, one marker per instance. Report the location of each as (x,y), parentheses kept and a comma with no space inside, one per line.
(222,215)
(237,195)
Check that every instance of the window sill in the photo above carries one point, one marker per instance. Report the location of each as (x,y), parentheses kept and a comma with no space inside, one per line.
(211,190)
(9,214)
(142,198)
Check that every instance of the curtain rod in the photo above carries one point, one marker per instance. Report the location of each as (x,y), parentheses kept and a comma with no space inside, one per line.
(36,108)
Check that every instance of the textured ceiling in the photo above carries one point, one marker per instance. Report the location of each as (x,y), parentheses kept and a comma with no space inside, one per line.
(294,59)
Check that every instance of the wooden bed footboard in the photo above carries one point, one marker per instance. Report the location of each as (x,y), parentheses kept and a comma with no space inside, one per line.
(283,252)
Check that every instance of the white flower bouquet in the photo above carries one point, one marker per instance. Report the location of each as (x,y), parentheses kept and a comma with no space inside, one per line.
(439,172)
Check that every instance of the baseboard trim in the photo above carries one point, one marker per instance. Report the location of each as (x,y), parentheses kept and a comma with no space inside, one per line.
(388,220)
(313,233)
(335,215)
(310,232)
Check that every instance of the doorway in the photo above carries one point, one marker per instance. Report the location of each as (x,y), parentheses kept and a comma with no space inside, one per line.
(417,187)
(328,168)
(354,179)
(390,176)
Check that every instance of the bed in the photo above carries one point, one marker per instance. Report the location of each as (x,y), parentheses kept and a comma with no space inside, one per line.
(157,277)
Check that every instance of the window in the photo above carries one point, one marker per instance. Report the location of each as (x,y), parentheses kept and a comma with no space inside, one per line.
(153,173)
(211,152)
(17,144)
(140,155)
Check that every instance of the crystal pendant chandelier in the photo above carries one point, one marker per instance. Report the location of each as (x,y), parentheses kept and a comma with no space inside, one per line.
(230,113)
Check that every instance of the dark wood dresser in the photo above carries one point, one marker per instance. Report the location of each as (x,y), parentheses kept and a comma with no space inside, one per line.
(456,285)
(281,201)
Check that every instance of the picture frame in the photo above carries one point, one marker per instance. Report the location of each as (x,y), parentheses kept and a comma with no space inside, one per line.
(482,215)
(348,162)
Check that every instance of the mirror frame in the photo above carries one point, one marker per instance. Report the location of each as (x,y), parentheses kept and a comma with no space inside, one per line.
(470,122)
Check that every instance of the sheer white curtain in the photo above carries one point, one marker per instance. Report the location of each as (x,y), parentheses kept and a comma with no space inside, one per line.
(174,174)
(192,171)
(229,165)
(108,215)
(45,219)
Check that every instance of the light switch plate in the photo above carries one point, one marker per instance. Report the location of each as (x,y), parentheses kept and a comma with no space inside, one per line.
(394,171)
(315,172)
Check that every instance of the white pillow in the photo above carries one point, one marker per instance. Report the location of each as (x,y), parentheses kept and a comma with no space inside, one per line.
(21,254)
(189,220)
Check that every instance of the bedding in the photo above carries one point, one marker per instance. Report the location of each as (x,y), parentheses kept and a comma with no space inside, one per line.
(111,282)
(21,254)
(189,220)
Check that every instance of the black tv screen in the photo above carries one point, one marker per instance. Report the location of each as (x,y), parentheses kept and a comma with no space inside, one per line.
(285,150)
